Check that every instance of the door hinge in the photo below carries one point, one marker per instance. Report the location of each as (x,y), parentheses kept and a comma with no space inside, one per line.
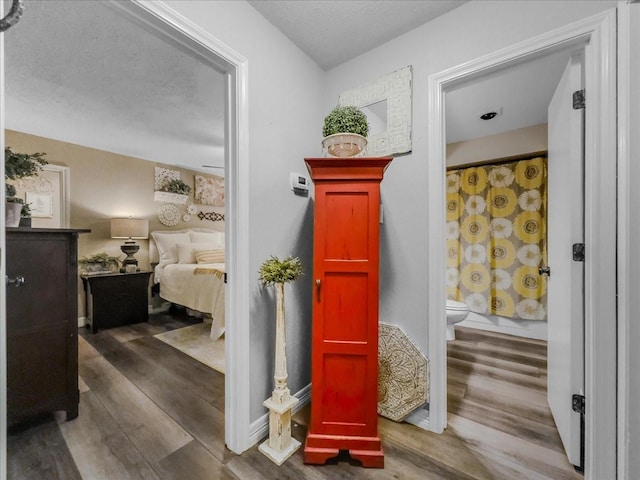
(225,277)
(578,252)
(577,403)
(578,99)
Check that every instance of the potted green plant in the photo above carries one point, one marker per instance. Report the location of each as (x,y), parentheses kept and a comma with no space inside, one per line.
(17,166)
(345,131)
(173,191)
(176,186)
(280,445)
(99,262)
(25,215)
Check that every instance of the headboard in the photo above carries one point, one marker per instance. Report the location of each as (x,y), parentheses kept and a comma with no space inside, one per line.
(154,254)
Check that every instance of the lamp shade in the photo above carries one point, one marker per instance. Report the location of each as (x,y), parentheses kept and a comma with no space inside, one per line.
(129,228)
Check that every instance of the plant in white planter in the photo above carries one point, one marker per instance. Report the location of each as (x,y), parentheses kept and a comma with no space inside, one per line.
(345,130)
(17,166)
(280,446)
(173,191)
(176,186)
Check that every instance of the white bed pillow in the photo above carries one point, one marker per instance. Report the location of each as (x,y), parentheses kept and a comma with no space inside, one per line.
(215,255)
(186,251)
(215,238)
(166,243)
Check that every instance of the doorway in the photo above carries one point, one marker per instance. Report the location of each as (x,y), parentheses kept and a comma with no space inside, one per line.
(164,21)
(487,160)
(597,36)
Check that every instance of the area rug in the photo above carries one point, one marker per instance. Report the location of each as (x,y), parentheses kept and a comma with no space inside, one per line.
(196,342)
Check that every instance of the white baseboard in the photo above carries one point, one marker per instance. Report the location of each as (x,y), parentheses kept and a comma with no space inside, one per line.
(260,428)
(536,329)
(419,418)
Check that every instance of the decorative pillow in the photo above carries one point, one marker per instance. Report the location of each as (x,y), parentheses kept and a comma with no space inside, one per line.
(215,255)
(187,251)
(216,238)
(166,243)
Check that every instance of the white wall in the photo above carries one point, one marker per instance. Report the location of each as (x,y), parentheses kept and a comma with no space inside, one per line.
(477,28)
(629,230)
(288,95)
(633,387)
(501,146)
(285,119)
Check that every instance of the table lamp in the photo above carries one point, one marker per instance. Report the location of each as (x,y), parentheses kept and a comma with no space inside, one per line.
(132,229)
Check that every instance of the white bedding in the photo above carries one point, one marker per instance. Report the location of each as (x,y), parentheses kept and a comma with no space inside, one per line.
(198,286)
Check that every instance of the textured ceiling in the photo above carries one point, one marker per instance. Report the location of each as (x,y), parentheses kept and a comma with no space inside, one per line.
(81,72)
(520,95)
(334,31)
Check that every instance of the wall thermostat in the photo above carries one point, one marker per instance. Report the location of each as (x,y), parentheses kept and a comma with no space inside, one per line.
(299,184)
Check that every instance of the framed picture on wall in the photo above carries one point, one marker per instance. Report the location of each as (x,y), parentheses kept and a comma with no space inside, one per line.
(209,190)
(41,204)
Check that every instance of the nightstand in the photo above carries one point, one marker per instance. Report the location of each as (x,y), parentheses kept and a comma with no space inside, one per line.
(116,299)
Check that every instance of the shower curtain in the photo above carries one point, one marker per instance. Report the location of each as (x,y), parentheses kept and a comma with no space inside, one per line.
(496,230)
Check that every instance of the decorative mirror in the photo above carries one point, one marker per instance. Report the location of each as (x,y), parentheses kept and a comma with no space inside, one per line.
(387,104)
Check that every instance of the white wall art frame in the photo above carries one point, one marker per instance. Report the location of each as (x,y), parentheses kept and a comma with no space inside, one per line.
(163,175)
(49,195)
(41,204)
(395,89)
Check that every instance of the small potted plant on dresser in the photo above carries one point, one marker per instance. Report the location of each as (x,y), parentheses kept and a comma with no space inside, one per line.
(17,166)
(98,263)
(345,131)
(25,215)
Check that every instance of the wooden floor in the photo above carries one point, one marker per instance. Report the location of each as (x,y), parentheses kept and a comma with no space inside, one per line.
(148,411)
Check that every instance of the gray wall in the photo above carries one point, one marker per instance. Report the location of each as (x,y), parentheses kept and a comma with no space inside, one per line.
(475,29)
(629,228)
(285,119)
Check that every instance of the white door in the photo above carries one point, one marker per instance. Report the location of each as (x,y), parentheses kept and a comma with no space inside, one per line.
(565,222)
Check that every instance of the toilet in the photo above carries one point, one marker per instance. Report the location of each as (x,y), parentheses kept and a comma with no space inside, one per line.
(456,312)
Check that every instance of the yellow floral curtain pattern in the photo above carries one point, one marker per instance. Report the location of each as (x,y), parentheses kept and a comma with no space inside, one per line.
(496,230)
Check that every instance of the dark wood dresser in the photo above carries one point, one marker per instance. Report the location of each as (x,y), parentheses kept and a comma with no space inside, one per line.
(42,321)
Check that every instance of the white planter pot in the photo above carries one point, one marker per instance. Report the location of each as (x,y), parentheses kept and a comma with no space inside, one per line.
(12,214)
(168,197)
(344,144)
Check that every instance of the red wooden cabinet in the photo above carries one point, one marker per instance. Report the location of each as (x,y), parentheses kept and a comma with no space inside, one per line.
(344,377)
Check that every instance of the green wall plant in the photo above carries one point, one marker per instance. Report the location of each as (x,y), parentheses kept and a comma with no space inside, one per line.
(20,165)
(345,119)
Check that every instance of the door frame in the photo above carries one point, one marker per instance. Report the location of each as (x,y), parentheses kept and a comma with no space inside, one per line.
(160,17)
(597,36)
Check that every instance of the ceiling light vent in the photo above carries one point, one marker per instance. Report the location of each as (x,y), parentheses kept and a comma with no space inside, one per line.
(489,112)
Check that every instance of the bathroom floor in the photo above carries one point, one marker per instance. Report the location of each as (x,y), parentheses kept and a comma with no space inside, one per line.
(500,382)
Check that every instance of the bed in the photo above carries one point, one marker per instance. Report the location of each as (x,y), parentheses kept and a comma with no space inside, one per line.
(189,270)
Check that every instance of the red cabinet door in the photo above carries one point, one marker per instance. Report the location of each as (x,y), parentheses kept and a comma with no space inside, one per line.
(345,310)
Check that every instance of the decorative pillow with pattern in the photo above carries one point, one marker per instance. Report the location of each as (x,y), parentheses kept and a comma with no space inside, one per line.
(215,255)
(187,251)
